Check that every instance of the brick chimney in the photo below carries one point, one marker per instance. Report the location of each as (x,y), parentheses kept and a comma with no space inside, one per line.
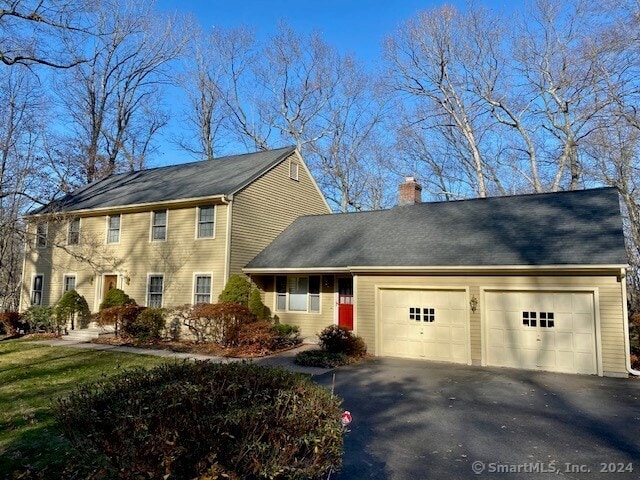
(409,192)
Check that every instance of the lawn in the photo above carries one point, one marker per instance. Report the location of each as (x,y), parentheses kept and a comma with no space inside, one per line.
(31,376)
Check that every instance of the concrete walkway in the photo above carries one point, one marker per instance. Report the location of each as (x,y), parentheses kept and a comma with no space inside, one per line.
(284,360)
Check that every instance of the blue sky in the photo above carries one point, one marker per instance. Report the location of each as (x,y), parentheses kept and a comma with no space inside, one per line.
(352,26)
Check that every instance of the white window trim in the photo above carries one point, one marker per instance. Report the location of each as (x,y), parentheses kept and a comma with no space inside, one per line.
(166,225)
(215,221)
(31,290)
(146,293)
(79,230)
(294,170)
(64,281)
(193,289)
(302,312)
(46,235)
(119,229)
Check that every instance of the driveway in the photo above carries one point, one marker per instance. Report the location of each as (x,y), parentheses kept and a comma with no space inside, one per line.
(424,420)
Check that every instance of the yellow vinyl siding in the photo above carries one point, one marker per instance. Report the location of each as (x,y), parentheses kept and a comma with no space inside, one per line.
(609,295)
(262,210)
(133,258)
(311,323)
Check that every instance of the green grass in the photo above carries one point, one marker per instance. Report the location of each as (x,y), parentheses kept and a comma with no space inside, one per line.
(31,377)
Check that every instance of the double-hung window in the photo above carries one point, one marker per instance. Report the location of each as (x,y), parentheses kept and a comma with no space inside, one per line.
(158,225)
(302,294)
(73,234)
(206,218)
(42,229)
(155,288)
(202,289)
(113,228)
(69,283)
(37,289)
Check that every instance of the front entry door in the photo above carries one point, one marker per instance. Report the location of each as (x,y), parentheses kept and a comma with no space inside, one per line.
(345,302)
(110,282)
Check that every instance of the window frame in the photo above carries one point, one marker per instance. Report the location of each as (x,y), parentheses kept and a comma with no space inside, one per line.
(294,170)
(199,222)
(33,289)
(195,286)
(109,229)
(285,297)
(66,277)
(148,292)
(155,226)
(44,236)
(73,221)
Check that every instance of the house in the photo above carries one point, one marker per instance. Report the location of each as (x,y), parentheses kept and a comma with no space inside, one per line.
(166,236)
(530,281)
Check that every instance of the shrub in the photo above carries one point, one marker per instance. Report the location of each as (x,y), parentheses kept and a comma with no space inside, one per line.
(11,323)
(286,335)
(205,420)
(337,339)
(147,325)
(116,298)
(236,290)
(121,316)
(322,359)
(219,322)
(261,337)
(256,306)
(40,317)
(72,305)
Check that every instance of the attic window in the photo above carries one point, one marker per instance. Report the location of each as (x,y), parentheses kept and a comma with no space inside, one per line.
(293,170)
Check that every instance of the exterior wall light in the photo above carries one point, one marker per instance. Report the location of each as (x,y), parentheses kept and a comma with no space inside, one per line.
(473,303)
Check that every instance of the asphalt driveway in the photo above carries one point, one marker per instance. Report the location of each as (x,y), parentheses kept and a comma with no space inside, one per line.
(424,420)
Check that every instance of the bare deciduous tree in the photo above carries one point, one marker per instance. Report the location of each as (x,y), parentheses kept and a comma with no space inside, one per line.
(113,98)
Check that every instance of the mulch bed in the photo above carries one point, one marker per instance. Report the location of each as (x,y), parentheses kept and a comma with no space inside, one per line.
(212,349)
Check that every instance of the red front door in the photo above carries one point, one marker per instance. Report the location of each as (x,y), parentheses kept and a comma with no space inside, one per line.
(345,302)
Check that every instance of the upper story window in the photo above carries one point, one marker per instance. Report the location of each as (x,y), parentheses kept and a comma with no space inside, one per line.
(42,229)
(293,170)
(206,219)
(113,228)
(37,289)
(159,225)
(73,234)
(69,283)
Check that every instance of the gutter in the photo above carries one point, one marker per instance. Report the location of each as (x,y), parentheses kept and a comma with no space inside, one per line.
(625,313)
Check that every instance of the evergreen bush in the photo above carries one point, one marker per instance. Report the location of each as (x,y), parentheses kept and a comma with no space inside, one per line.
(237,290)
(205,420)
(116,298)
(337,339)
(72,306)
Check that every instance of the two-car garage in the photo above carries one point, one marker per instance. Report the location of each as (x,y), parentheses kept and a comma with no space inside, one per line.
(553,330)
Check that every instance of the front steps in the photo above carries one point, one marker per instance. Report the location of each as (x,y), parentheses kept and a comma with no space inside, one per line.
(87,334)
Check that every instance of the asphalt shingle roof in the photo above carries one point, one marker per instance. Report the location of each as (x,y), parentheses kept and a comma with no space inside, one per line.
(220,176)
(567,228)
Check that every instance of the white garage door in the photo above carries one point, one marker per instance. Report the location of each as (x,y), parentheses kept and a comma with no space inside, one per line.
(426,324)
(541,331)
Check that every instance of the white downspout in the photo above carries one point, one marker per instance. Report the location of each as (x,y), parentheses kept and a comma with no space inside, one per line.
(625,313)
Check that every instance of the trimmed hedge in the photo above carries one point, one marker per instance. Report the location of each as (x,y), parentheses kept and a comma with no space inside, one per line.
(322,359)
(237,290)
(116,298)
(73,304)
(204,420)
